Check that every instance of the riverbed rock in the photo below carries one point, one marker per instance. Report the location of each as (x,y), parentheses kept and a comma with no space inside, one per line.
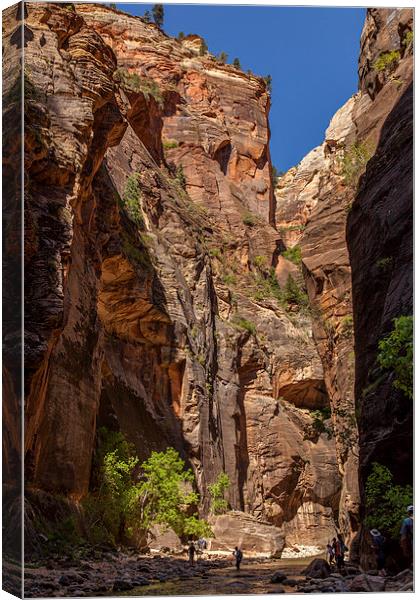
(367,583)
(278,577)
(317,569)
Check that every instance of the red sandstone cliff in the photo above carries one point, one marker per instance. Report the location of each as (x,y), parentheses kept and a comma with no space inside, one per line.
(150,233)
(148,314)
(315,204)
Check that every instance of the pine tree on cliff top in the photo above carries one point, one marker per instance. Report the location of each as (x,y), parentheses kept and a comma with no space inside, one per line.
(158,14)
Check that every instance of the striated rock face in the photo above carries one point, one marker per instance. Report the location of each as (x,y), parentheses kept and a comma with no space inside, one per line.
(246,532)
(314,200)
(149,210)
(154,268)
(380,239)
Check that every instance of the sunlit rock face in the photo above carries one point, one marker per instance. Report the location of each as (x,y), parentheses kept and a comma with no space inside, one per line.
(151,307)
(143,313)
(315,203)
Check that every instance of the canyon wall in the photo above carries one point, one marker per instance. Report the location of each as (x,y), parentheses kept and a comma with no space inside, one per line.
(152,302)
(317,203)
(380,241)
(157,298)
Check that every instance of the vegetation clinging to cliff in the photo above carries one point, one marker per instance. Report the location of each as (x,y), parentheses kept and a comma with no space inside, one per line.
(396,353)
(387,61)
(218,504)
(386,503)
(354,162)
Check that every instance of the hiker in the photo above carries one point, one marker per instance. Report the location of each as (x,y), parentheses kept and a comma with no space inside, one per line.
(343,547)
(191,552)
(238,557)
(406,535)
(202,544)
(339,547)
(378,545)
(330,553)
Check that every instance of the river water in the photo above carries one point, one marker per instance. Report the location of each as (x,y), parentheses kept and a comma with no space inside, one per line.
(253,578)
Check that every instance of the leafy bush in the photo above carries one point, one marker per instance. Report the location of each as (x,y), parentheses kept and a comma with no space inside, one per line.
(180,36)
(260,261)
(293,254)
(216,252)
(319,417)
(408,38)
(387,61)
(268,83)
(386,503)
(384,263)
(299,228)
(169,144)
(396,353)
(275,175)
(147,17)
(242,323)
(267,286)
(292,293)
(249,219)
(131,199)
(229,279)
(134,83)
(347,326)
(218,504)
(203,48)
(222,57)
(180,177)
(236,63)
(354,162)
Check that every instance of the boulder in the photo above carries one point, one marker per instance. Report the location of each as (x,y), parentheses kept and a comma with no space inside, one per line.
(164,540)
(278,577)
(367,583)
(245,531)
(317,569)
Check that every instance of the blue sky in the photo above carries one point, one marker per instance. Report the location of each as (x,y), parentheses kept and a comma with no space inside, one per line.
(311,54)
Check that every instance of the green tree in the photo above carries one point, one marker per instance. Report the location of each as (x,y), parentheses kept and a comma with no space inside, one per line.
(165,495)
(275,175)
(396,353)
(236,63)
(203,48)
(386,503)
(222,57)
(292,294)
(180,176)
(180,36)
(268,83)
(158,14)
(218,504)
(112,510)
(147,17)
(294,254)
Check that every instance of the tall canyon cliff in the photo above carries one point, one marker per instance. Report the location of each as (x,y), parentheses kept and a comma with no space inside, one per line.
(158,301)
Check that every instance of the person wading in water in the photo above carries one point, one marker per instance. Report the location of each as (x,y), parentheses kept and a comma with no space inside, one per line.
(406,536)
(238,557)
(378,544)
(191,553)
